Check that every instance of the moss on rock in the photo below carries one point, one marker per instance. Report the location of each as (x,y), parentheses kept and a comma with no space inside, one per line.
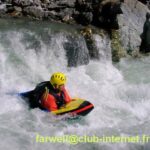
(117,49)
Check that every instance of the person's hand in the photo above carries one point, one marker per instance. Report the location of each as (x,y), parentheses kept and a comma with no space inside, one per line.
(74,99)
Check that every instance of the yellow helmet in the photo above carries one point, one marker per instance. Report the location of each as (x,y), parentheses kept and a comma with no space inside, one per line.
(58,78)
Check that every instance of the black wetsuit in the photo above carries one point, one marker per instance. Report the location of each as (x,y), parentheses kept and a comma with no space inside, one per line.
(34,96)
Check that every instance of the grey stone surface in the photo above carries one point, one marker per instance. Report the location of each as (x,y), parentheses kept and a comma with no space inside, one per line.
(80,11)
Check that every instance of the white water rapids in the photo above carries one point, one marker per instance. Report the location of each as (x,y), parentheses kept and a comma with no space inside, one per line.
(120,93)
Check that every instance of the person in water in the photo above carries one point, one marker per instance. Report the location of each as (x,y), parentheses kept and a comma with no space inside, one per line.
(51,95)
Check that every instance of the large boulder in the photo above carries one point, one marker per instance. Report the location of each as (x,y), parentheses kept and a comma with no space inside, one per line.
(105,14)
(76,51)
(34,11)
(131,24)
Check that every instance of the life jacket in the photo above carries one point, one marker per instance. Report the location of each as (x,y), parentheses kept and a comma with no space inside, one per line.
(52,101)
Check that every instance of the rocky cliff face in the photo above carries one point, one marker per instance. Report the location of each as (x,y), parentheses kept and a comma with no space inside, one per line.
(102,13)
(131,23)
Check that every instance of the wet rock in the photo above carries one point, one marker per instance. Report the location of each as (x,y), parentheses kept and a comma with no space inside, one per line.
(60,5)
(15,11)
(67,3)
(65,12)
(18,9)
(52,15)
(85,18)
(107,15)
(145,36)
(54,6)
(97,12)
(76,51)
(7,1)
(16,14)
(10,8)
(135,54)
(45,1)
(34,11)
(117,50)
(83,6)
(3,9)
(144,1)
(36,2)
(23,3)
(68,19)
(93,50)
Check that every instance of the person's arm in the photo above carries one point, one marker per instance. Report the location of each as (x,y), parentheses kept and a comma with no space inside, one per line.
(67,96)
(48,102)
